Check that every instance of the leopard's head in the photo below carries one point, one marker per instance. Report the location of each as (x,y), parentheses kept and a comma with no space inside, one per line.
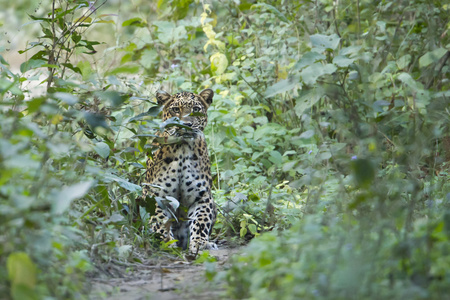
(188,107)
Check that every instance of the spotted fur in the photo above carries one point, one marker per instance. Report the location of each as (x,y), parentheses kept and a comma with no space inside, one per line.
(182,170)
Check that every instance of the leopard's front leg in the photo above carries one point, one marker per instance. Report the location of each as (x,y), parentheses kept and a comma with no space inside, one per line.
(161,225)
(202,216)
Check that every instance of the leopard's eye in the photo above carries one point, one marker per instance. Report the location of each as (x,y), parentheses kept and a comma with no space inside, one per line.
(176,109)
(196,109)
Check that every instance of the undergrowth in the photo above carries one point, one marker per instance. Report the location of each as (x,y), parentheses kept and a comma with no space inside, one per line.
(328,134)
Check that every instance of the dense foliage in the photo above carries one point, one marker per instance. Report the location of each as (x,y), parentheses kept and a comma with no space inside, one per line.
(329,140)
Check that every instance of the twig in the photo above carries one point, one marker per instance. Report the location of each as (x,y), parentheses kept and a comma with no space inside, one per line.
(447,55)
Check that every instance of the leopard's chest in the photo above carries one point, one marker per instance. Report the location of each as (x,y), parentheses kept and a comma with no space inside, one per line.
(182,171)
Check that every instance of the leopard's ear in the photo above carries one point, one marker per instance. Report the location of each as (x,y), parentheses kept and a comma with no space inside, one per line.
(207,95)
(162,97)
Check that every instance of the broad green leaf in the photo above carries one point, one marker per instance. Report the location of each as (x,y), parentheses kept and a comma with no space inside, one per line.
(122,182)
(432,57)
(21,269)
(152,112)
(34,104)
(32,64)
(363,172)
(113,97)
(329,42)
(308,99)
(252,229)
(272,9)
(325,155)
(115,217)
(403,61)
(276,157)
(289,165)
(102,149)
(310,74)
(282,86)
(408,80)
(307,134)
(66,97)
(342,61)
(168,32)
(149,58)
(85,69)
(308,59)
(95,120)
(22,275)
(67,194)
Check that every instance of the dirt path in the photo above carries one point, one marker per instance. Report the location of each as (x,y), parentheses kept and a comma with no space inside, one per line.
(168,279)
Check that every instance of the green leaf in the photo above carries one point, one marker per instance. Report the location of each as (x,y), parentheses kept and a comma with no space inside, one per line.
(408,80)
(252,229)
(113,97)
(66,97)
(308,59)
(272,9)
(312,73)
(168,32)
(282,86)
(307,134)
(152,112)
(85,69)
(276,157)
(126,69)
(122,182)
(342,61)
(32,64)
(102,149)
(329,42)
(21,270)
(67,194)
(432,57)
(95,120)
(34,104)
(403,61)
(308,99)
(363,172)
(138,22)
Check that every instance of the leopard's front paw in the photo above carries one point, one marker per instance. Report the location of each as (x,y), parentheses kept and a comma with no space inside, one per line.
(196,246)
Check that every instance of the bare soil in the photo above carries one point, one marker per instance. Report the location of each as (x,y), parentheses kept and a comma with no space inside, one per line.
(164,278)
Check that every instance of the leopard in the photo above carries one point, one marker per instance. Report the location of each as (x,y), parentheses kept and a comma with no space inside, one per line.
(182,170)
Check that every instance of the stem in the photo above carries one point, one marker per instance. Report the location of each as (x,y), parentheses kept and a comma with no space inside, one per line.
(51,56)
(359,19)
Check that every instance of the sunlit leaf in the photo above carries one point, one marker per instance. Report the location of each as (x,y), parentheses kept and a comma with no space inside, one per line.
(282,86)
(311,73)
(219,63)
(122,182)
(22,275)
(138,22)
(308,99)
(432,57)
(66,97)
(329,42)
(102,149)
(67,194)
